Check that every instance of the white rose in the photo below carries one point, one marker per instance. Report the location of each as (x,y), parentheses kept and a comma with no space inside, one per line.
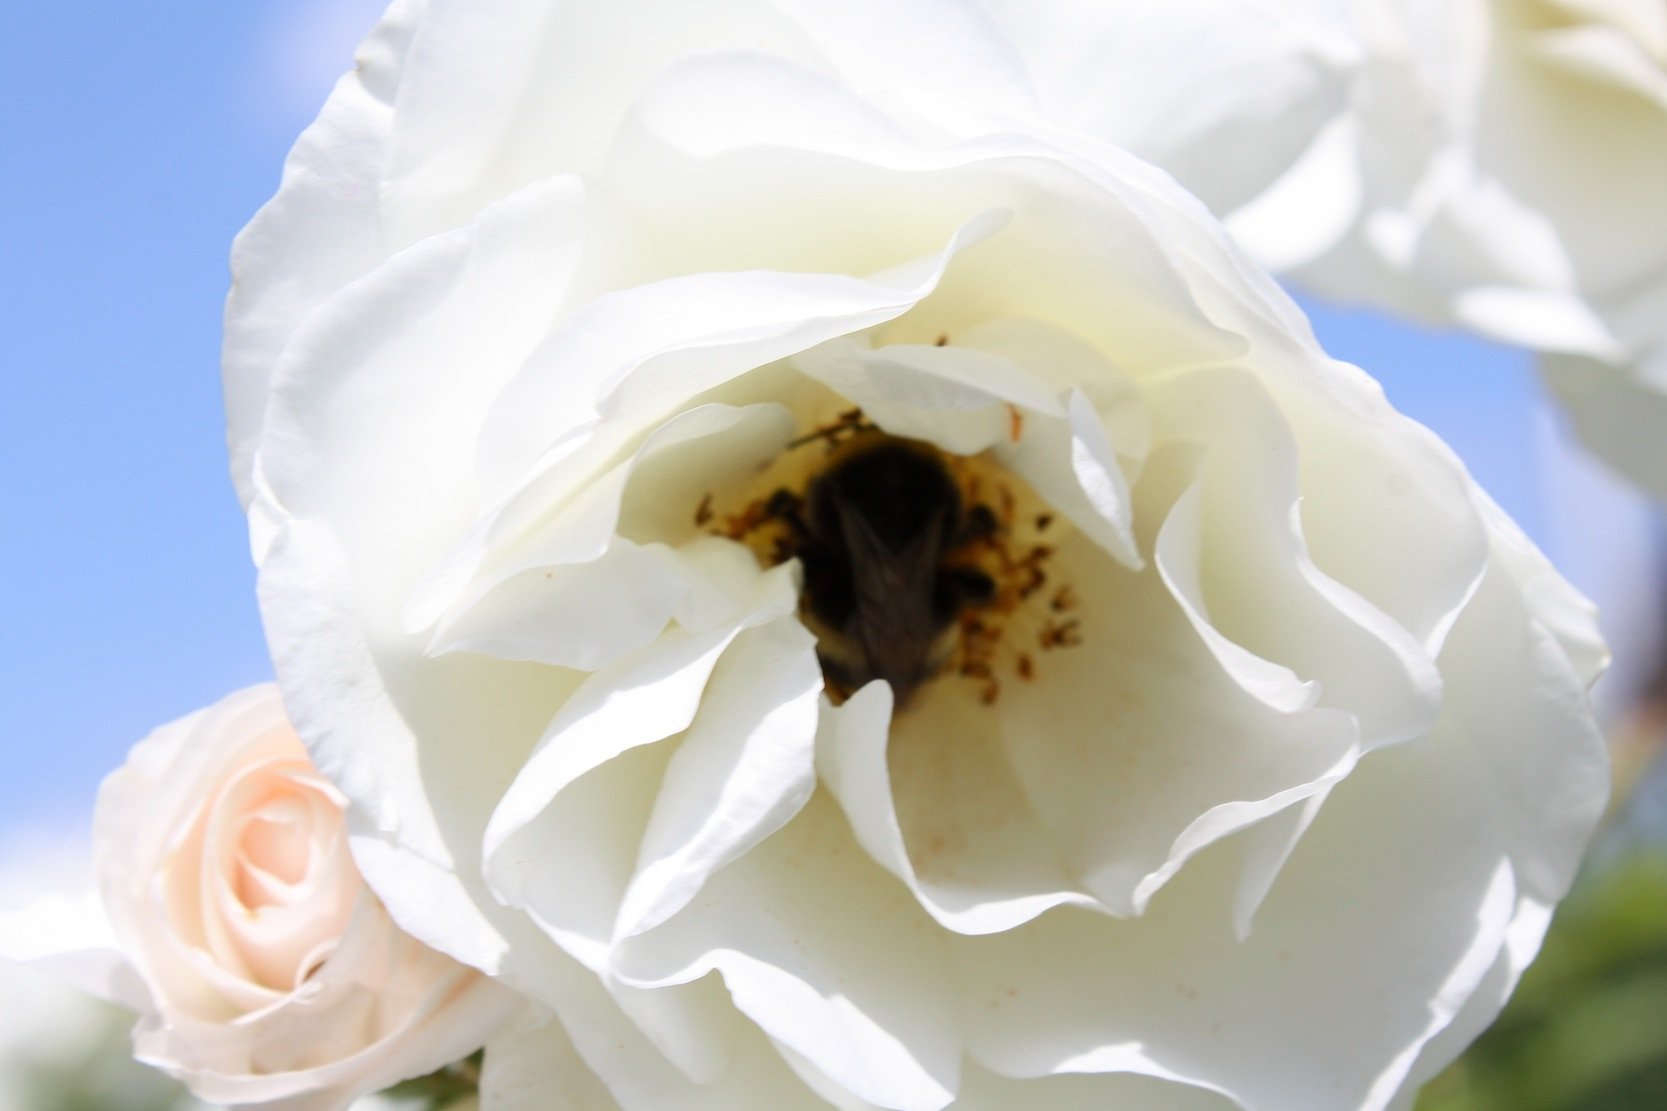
(1510,159)
(1262,799)
(265,971)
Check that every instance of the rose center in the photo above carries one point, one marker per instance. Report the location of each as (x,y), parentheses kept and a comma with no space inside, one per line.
(274,845)
(917,563)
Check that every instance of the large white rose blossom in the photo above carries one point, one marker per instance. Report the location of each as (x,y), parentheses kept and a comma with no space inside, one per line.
(1508,160)
(1245,750)
(230,915)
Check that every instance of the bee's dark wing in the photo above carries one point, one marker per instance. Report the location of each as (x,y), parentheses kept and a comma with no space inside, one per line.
(894,622)
(885,576)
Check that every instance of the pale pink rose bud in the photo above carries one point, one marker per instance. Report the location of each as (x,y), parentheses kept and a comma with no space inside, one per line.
(273,974)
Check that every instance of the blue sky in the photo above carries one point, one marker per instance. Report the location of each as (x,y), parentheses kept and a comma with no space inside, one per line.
(139,138)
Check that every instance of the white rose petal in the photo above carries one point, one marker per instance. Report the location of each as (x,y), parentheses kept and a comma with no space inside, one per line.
(1506,160)
(1285,746)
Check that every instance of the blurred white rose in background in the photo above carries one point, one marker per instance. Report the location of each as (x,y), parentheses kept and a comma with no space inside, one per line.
(1509,158)
(1251,750)
(262,968)
(60,1048)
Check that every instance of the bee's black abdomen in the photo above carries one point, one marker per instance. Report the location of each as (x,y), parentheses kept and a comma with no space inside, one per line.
(876,534)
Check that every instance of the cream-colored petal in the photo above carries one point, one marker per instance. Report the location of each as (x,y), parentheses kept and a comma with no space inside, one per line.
(742,770)
(827,955)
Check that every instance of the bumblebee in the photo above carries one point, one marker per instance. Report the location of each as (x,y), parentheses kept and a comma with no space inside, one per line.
(884,537)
